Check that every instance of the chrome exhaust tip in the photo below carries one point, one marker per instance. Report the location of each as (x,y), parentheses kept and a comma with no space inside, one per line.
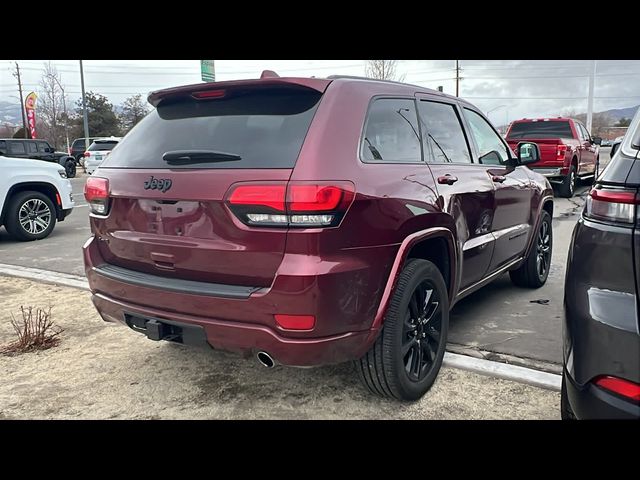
(265,360)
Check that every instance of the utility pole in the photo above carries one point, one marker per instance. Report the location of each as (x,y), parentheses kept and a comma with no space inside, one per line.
(66,117)
(457,77)
(592,80)
(24,116)
(84,110)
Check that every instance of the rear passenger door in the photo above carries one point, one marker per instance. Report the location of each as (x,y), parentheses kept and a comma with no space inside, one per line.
(466,191)
(32,150)
(512,221)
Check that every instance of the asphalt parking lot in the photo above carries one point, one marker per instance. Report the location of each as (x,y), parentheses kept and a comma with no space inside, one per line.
(499,322)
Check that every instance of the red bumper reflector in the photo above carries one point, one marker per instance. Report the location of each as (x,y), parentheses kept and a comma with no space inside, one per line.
(296,322)
(622,387)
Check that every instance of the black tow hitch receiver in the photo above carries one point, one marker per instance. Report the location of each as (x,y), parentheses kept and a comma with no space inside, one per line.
(157,330)
(161,329)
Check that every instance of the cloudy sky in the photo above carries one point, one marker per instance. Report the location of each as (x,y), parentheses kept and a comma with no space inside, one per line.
(506,89)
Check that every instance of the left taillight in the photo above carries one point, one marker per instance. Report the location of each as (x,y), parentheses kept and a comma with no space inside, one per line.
(293,204)
(612,205)
(96,192)
(624,388)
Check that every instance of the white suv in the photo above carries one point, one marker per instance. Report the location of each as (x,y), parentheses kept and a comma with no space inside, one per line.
(33,196)
(98,151)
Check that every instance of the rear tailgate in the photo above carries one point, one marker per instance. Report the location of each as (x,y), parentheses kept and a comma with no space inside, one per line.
(547,133)
(169,218)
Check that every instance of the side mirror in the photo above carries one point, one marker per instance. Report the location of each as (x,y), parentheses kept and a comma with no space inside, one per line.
(527,153)
(49,150)
(596,140)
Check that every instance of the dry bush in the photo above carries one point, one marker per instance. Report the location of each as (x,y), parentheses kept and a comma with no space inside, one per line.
(36,331)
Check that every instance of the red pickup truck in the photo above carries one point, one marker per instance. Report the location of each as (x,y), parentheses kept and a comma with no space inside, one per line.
(567,151)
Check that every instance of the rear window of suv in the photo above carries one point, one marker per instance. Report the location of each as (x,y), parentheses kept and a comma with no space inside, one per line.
(259,128)
(551,129)
(102,146)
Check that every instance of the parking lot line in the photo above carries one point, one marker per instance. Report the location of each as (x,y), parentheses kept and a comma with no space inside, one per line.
(514,373)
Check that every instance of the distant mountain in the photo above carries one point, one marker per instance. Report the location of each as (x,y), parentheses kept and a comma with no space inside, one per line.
(10,113)
(620,113)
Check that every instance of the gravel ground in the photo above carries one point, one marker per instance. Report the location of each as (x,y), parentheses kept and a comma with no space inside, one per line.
(102,371)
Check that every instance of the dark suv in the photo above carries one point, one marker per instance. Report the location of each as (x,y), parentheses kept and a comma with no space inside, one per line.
(38,150)
(311,221)
(78,147)
(601,340)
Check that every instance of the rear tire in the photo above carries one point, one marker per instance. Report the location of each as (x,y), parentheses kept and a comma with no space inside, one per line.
(30,216)
(568,185)
(533,273)
(406,357)
(566,413)
(70,168)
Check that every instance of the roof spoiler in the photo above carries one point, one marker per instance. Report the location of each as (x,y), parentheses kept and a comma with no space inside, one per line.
(268,78)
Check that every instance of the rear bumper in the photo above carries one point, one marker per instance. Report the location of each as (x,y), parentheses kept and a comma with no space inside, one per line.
(343,297)
(591,402)
(600,325)
(552,173)
(64,213)
(248,339)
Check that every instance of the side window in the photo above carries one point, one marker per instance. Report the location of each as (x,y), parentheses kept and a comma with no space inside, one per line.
(16,148)
(3,147)
(391,133)
(491,148)
(443,133)
(42,146)
(585,134)
(31,147)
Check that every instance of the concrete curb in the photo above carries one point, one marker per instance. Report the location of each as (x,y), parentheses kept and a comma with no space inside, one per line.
(506,371)
(536,378)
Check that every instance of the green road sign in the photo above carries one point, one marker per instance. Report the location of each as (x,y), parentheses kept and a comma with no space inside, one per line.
(208,70)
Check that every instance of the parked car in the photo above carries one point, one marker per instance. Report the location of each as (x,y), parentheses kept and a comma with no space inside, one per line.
(78,147)
(33,196)
(37,150)
(98,151)
(601,375)
(568,152)
(605,143)
(311,221)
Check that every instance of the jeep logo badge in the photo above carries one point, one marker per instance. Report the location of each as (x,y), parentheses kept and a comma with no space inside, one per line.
(162,184)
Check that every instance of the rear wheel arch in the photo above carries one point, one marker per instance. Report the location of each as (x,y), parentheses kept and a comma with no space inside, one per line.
(45,188)
(548,206)
(417,245)
(435,249)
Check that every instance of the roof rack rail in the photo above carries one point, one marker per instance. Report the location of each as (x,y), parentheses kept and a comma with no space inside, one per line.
(356,77)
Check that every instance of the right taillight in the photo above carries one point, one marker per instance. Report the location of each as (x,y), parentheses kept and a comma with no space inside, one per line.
(614,206)
(293,204)
(87,154)
(561,151)
(96,192)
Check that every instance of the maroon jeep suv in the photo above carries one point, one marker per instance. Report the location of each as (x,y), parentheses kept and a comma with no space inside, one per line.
(311,221)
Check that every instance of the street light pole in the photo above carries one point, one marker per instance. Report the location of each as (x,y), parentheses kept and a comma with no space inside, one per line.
(84,110)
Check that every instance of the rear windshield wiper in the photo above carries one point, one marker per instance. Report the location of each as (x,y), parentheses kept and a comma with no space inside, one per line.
(182,157)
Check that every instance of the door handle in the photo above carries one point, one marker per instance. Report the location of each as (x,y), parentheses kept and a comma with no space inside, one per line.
(447,179)
(498,178)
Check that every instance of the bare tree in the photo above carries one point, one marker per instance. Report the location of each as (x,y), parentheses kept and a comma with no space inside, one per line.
(51,106)
(383,70)
(133,110)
